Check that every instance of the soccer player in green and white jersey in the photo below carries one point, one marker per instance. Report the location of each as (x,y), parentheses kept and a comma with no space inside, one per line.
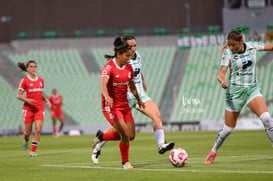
(151,110)
(242,87)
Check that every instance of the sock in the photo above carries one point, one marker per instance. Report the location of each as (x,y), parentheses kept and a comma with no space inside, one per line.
(34,146)
(124,152)
(268,125)
(54,131)
(222,135)
(159,136)
(111,136)
(26,138)
(100,145)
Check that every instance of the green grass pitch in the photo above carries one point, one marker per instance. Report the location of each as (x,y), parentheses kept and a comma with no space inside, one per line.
(246,155)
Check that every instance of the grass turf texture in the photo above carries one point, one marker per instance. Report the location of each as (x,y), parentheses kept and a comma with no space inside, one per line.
(245,155)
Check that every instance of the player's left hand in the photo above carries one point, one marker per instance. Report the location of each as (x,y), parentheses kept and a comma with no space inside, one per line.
(141,104)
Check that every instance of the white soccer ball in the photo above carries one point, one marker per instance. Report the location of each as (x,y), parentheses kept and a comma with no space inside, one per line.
(178,157)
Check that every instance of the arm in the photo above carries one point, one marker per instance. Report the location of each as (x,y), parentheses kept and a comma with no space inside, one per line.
(47,102)
(268,47)
(221,77)
(143,82)
(135,93)
(21,97)
(104,90)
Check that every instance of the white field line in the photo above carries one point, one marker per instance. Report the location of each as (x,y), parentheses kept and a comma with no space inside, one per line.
(88,166)
(163,170)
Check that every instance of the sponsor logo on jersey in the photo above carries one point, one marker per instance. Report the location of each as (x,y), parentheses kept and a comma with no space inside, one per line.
(35,90)
(120,83)
(117,76)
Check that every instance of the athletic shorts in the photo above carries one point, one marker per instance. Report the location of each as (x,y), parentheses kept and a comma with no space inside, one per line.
(31,116)
(133,101)
(114,116)
(237,97)
(56,113)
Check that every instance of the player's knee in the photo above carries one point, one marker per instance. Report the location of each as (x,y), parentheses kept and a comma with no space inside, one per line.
(266,119)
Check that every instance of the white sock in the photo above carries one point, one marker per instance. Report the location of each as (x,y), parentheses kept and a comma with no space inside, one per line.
(159,136)
(222,135)
(99,146)
(268,125)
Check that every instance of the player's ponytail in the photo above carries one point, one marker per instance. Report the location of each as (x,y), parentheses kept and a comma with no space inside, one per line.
(22,65)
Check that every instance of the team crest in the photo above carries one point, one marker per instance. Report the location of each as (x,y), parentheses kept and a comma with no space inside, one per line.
(117,76)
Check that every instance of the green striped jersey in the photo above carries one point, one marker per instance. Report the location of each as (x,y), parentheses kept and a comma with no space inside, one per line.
(242,66)
(137,64)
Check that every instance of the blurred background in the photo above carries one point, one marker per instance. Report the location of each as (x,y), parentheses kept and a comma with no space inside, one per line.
(180,42)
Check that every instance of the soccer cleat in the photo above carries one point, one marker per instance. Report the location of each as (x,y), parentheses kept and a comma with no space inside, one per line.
(127,165)
(165,147)
(95,156)
(25,145)
(32,154)
(98,138)
(211,157)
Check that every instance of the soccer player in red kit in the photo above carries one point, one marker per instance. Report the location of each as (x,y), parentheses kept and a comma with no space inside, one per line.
(33,109)
(117,75)
(56,111)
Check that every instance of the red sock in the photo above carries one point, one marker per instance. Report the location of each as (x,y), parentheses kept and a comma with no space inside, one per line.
(26,138)
(111,136)
(124,152)
(54,131)
(34,146)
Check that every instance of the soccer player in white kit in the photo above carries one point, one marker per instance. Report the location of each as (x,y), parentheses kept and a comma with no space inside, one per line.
(151,110)
(242,87)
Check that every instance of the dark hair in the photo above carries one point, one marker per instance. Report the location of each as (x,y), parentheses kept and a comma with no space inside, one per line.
(234,35)
(22,65)
(120,46)
(128,37)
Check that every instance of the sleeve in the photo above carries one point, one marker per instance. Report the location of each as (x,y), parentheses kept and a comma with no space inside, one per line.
(106,71)
(226,58)
(22,85)
(259,46)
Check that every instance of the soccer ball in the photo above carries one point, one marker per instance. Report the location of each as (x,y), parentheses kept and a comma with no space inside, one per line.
(178,157)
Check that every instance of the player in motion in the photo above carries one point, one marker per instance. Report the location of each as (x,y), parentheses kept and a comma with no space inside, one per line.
(56,111)
(116,77)
(242,87)
(151,110)
(33,109)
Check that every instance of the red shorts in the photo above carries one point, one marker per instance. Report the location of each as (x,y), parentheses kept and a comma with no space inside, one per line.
(114,116)
(31,116)
(56,113)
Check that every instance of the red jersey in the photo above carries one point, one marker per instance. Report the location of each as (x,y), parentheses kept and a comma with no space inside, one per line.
(117,86)
(34,90)
(56,101)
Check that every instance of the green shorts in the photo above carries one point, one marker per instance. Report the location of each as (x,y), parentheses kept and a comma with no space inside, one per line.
(133,102)
(237,97)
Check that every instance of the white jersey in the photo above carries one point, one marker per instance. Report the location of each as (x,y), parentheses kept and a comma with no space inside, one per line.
(242,65)
(137,65)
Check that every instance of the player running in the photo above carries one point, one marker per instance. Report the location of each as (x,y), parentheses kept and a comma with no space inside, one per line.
(116,77)
(151,110)
(56,111)
(33,109)
(242,87)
